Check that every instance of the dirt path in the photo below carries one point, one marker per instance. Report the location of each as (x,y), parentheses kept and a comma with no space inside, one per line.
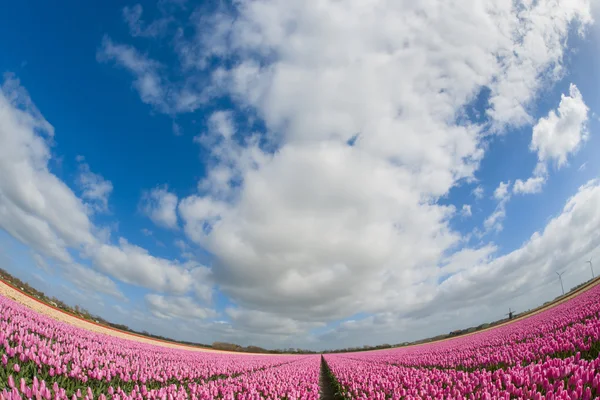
(11,292)
(59,315)
(327,392)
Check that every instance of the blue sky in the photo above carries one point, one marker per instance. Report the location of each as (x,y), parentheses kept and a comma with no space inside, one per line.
(206,155)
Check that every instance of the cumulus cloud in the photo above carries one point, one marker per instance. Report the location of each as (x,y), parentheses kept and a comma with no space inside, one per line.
(42,212)
(466,210)
(35,206)
(176,129)
(494,222)
(308,214)
(259,322)
(149,81)
(478,192)
(40,262)
(160,206)
(329,215)
(133,264)
(94,188)
(502,191)
(138,28)
(91,281)
(168,307)
(472,295)
(565,241)
(531,185)
(563,131)
(555,137)
(340,211)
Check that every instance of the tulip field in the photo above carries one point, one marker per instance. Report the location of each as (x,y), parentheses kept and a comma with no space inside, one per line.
(550,355)
(46,359)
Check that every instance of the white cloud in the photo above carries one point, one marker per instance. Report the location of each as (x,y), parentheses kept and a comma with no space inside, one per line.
(340,229)
(180,244)
(481,286)
(221,123)
(149,81)
(40,262)
(120,309)
(35,206)
(90,280)
(229,159)
(330,214)
(555,137)
(133,264)
(502,191)
(563,131)
(42,212)
(94,188)
(535,58)
(565,241)
(210,38)
(185,250)
(495,221)
(137,27)
(306,216)
(259,322)
(531,185)
(466,210)
(478,192)
(168,307)
(160,206)
(203,285)
(176,129)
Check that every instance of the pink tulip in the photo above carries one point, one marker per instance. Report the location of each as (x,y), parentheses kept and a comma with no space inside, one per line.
(524,353)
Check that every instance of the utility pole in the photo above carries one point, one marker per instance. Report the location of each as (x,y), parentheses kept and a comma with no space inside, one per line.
(591,266)
(561,284)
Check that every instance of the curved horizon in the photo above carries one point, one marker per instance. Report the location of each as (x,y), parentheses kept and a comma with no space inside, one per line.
(309,174)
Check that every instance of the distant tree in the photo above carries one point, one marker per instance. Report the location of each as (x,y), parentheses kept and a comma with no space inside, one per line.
(226,346)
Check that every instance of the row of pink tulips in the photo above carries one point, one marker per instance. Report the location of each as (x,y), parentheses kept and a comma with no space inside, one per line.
(551,355)
(569,378)
(297,380)
(44,358)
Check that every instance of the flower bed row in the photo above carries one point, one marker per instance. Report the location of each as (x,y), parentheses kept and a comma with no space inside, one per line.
(551,355)
(43,358)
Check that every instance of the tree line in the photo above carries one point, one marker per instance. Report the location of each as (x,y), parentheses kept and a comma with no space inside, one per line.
(83,313)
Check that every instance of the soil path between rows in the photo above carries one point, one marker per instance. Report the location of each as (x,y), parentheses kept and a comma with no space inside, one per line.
(325,384)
